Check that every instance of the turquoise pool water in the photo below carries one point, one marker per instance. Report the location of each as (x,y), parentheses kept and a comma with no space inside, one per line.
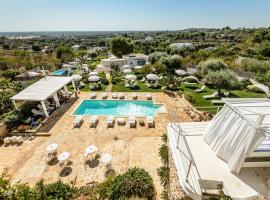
(60,72)
(118,108)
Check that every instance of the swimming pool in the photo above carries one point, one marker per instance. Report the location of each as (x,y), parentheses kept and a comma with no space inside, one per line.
(60,72)
(118,108)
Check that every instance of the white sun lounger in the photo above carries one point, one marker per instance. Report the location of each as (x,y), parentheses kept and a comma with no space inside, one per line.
(93,120)
(150,121)
(121,96)
(104,95)
(115,96)
(148,96)
(212,96)
(7,140)
(110,121)
(19,139)
(199,90)
(77,121)
(132,121)
(93,95)
(134,96)
(13,139)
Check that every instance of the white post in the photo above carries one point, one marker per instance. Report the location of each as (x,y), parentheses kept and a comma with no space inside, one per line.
(55,97)
(15,105)
(44,109)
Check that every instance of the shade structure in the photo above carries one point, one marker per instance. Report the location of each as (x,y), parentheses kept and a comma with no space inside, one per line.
(180,72)
(52,147)
(238,129)
(91,149)
(152,77)
(77,77)
(63,156)
(127,71)
(126,67)
(138,67)
(93,78)
(131,77)
(93,73)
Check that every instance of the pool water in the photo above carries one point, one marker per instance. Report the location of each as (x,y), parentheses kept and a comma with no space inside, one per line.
(118,108)
(60,72)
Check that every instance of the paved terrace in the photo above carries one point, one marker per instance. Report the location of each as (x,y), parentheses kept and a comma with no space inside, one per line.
(129,147)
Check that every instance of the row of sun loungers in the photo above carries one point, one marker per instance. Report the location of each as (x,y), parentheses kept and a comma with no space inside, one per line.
(119,96)
(13,140)
(93,121)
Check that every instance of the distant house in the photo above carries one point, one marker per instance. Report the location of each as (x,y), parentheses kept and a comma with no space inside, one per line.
(134,60)
(26,48)
(33,74)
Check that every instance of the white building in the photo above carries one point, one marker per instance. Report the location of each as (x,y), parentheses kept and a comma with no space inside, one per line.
(76,47)
(134,60)
(181,45)
(232,150)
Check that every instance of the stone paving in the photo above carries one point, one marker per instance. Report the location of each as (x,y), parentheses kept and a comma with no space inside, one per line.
(129,147)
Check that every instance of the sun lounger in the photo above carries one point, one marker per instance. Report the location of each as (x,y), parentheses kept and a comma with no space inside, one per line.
(104,95)
(121,96)
(216,102)
(93,121)
(110,121)
(93,95)
(148,96)
(115,96)
(121,121)
(150,121)
(13,139)
(199,90)
(7,140)
(77,121)
(132,121)
(212,96)
(19,139)
(134,96)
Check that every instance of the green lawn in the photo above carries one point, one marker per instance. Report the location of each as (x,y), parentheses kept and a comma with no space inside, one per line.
(199,101)
(141,87)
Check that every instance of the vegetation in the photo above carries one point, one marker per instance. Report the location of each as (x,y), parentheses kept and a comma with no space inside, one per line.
(121,46)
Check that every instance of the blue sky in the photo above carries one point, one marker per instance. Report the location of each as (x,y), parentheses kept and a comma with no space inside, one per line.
(94,15)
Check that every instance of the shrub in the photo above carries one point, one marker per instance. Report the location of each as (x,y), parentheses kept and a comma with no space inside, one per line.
(164,154)
(121,46)
(156,56)
(172,62)
(104,81)
(211,65)
(135,182)
(189,98)
(164,175)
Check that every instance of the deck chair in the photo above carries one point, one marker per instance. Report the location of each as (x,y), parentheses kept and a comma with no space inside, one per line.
(78,120)
(115,96)
(93,121)
(150,121)
(148,96)
(93,95)
(121,96)
(211,96)
(104,95)
(132,121)
(199,90)
(110,121)
(134,96)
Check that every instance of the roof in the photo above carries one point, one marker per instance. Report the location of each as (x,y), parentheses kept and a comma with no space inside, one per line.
(42,89)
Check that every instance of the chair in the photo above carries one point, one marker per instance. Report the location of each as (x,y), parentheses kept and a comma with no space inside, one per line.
(36,112)
(13,139)
(115,96)
(77,121)
(19,139)
(49,108)
(121,96)
(150,121)
(93,95)
(211,96)
(110,121)
(134,96)
(104,95)
(199,90)
(93,121)
(132,121)
(7,140)
(148,96)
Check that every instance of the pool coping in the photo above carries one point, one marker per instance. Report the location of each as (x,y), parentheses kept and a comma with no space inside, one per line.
(123,116)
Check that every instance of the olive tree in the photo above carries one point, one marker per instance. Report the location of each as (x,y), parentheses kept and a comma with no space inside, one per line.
(121,46)
(211,65)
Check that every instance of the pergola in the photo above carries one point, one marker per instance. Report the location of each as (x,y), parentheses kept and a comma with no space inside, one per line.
(43,89)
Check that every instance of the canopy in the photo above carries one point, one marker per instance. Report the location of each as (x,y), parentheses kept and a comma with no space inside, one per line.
(131,77)
(93,73)
(238,129)
(77,77)
(127,71)
(152,77)
(42,89)
(180,72)
(94,78)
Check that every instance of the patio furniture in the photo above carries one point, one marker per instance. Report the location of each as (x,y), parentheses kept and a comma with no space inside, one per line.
(91,152)
(115,96)
(93,95)
(19,139)
(150,121)
(78,120)
(148,96)
(106,159)
(110,121)
(104,95)
(7,140)
(93,121)
(52,148)
(132,121)
(211,96)
(121,96)
(199,90)
(134,96)
(121,121)
(37,113)
(63,157)
(13,139)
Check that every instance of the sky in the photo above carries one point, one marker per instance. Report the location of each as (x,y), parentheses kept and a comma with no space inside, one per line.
(123,15)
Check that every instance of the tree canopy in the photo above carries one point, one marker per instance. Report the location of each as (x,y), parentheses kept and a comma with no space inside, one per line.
(121,46)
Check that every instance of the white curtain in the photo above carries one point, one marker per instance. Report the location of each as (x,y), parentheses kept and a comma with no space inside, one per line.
(232,138)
